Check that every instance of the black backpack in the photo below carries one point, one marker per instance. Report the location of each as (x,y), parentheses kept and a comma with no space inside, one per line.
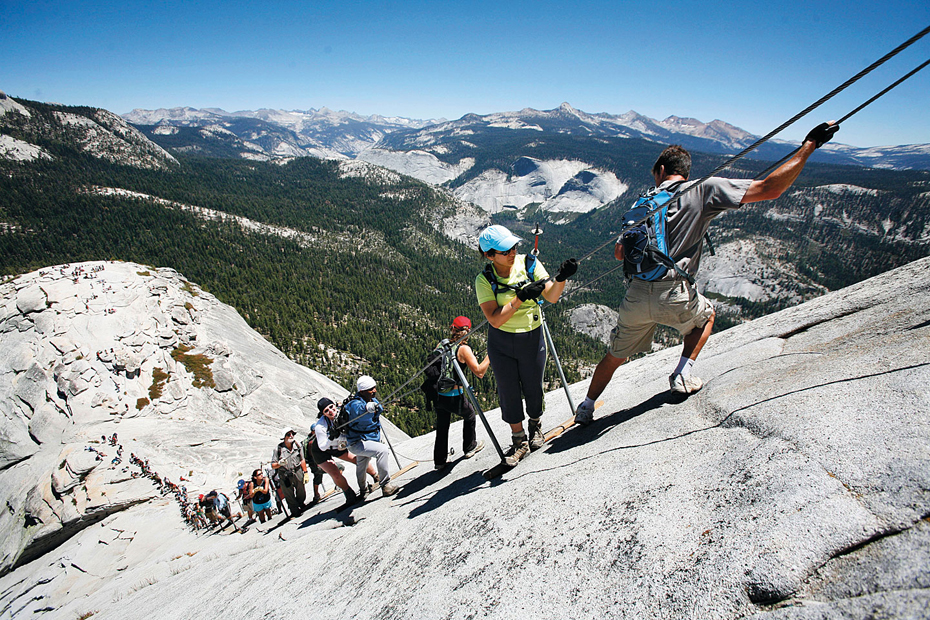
(341,421)
(439,375)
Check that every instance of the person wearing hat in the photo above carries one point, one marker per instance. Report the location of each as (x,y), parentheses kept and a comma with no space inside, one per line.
(288,461)
(363,436)
(328,443)
(507,291)
(261,495)
(453,401)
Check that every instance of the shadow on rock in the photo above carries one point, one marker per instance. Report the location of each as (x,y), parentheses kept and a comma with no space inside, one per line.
(343,517)
(578,435)
(454,489)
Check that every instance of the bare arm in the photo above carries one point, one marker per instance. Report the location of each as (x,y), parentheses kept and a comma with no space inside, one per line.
(775,184)
(467,357)
(498,315)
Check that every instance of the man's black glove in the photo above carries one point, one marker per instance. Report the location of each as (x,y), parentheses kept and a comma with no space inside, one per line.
(566,270)
(821,134)
(531,290)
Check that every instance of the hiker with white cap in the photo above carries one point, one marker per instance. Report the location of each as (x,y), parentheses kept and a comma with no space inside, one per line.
(507,291)
(363,435)
(288,461)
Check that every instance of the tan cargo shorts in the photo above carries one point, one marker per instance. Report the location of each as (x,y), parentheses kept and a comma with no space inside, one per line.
(674,303)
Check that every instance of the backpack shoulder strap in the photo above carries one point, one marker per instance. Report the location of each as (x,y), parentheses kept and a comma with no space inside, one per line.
(488,274)
(531,266)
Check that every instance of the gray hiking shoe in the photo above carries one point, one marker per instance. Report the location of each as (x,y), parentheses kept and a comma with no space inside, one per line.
(684,385)
(537,439)
(389,489)
(584,415)
(517,452)
(478,448)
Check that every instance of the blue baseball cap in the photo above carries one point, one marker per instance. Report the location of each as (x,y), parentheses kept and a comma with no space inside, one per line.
(497,238)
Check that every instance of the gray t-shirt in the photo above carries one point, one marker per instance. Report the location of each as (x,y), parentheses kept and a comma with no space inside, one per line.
(690,216)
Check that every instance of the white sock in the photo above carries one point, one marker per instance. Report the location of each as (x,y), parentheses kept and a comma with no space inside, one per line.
(588,401)
(684,367)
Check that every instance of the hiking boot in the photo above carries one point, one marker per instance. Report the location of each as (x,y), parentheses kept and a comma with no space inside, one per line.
(478,448)
(584,415)
(440,466)
(389,489)
(351,498)
(684,385)
(517,452)
(537,439)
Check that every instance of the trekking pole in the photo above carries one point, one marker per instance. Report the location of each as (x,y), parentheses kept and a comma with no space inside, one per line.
(387,439)
(536,231)
(555,356)
(278,493)
(474,403)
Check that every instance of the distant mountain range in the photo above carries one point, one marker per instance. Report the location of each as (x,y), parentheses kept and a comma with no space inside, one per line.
(276,134)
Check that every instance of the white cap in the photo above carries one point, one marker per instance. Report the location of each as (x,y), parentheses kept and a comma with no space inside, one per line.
(287,429)
(365,383)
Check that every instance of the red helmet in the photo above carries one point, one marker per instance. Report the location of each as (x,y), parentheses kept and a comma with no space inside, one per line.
(462,321)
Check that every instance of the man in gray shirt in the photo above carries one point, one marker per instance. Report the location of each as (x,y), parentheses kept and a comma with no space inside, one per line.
(672,300)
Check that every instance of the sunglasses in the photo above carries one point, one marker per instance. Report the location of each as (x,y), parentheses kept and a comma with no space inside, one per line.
(512,250)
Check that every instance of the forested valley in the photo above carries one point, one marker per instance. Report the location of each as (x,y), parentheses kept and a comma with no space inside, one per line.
(367,285)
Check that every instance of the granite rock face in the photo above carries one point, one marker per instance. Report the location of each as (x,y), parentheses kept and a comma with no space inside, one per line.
(794,485)
(96,349)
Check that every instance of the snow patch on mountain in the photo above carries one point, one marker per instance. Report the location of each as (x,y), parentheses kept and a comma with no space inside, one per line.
(418,164)
(554,185)
(18,150)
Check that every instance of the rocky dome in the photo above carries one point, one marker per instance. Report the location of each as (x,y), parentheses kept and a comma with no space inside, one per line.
(95,349)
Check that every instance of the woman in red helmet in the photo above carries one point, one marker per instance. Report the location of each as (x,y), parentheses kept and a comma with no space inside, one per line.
(453,401)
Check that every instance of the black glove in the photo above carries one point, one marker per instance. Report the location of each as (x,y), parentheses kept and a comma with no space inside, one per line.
(566,270)
(531,290)
(821,134)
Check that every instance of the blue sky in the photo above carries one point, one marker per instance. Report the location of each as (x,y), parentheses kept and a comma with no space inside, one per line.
(752,64)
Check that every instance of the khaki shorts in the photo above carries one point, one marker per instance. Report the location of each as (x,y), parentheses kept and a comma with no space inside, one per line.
(647,304)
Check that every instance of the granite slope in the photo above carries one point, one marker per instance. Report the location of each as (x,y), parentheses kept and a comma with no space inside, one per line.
(796,484)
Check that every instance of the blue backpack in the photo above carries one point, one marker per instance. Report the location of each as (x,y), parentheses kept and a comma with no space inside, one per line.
(645,244)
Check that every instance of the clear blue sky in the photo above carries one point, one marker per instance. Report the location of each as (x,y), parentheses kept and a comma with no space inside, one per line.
(750,63)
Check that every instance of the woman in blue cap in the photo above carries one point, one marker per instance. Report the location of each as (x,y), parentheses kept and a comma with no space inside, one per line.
(507,291)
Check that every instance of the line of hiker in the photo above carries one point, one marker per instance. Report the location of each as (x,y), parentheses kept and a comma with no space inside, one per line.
(351,433)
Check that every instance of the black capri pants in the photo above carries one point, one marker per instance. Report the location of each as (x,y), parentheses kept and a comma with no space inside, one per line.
(518,361)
